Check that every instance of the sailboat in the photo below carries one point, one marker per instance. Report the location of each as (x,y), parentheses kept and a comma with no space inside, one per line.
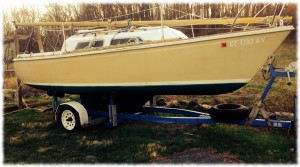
(136,62)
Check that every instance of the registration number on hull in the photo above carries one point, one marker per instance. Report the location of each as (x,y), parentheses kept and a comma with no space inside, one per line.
(247,41)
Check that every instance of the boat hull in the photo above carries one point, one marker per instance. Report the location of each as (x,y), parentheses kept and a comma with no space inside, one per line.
(207,65)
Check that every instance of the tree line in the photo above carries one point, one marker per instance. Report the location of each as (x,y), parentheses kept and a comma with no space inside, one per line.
(55,12)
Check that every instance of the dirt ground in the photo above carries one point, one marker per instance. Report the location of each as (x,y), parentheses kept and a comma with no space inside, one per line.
(195,156)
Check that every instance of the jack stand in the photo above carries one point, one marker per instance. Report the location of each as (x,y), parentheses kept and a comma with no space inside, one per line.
(288,72)
(293,128)
(55,105)
(55,102)
(258,107)
(152,102)
(113,120)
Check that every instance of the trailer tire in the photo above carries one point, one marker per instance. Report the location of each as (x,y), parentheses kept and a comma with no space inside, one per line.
(68,118)
(229,112)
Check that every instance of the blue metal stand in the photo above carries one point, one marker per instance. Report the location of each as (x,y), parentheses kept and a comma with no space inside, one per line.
(274,75)
(55,103)
(190,117)
(258,107)
(112,111)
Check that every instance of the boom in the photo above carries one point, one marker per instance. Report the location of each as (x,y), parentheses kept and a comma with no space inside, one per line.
(214,21)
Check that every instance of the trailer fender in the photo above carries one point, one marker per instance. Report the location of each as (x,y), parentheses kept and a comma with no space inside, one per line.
(82,112)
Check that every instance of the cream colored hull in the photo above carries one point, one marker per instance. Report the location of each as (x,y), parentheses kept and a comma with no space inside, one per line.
(232,58)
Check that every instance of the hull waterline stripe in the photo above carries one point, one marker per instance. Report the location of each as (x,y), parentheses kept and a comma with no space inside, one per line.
(177,83)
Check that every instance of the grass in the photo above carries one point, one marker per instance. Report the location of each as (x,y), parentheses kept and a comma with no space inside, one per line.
(31,137)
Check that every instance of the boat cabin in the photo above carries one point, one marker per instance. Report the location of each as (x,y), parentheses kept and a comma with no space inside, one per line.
(103,38)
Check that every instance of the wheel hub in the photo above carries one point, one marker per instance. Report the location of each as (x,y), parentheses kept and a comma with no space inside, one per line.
(68,120)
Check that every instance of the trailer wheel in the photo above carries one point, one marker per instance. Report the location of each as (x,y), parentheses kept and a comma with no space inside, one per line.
(229,112)
(68,118)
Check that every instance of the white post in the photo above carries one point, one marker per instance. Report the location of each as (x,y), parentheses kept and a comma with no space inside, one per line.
(192,27)
(161,22)
(63,29)
(113,115)
(112,109)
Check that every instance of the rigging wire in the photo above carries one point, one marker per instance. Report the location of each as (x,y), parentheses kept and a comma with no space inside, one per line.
(57,39)
(232,26)
(181,17)
(257,14)
(153,9)
(50,44)
(184,12)
(118,16)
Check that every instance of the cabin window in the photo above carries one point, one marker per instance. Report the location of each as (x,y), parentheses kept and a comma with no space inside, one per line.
(126,40)
(119,41)
(82,45)
(136,40)
(98,44)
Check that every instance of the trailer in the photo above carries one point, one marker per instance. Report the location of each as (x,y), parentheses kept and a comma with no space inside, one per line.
(73,115)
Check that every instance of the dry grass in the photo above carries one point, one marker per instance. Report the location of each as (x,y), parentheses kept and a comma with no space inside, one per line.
(91,142)
(43,149)
(30,95)
(154,149)
(10,83)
